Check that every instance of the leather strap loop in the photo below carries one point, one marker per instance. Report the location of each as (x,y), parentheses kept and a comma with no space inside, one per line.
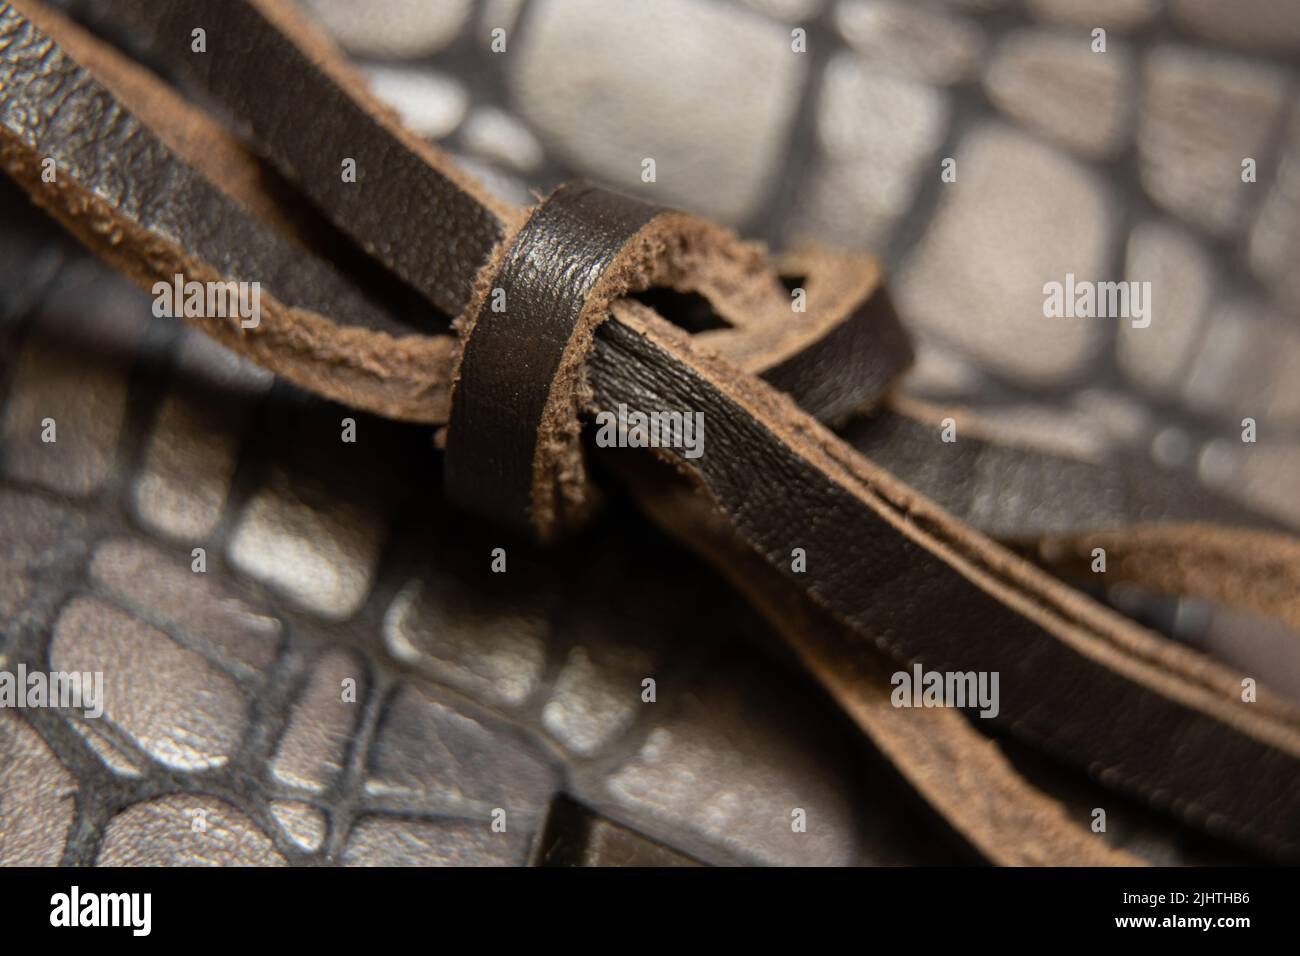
(513,434)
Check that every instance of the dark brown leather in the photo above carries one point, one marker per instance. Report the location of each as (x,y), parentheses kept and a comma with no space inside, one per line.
(890,579)
(904,578)
(515,404)
(154,217)
(513,449)
(1019,494)
(958,771)
(408,207)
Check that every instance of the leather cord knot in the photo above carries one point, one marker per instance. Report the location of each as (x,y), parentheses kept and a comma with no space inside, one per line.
(513,449)
(513,445)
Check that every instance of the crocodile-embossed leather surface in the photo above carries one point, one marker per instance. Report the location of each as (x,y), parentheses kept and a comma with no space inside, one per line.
(348,680)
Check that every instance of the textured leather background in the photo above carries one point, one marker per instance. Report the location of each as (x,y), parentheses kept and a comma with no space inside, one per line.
(225,740)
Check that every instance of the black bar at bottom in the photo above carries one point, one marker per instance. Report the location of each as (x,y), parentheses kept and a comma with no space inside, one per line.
(468,908)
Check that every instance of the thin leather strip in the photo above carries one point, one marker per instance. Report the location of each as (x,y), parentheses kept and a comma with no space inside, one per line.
(958,771)
(1154,526)
(84,118)
(249,51)
(815,369)
(1247,569)
(903,577)
(211,150)
(125,195)
(1019,494)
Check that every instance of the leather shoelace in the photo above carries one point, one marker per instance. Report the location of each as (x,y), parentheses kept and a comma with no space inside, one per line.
(155,186)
